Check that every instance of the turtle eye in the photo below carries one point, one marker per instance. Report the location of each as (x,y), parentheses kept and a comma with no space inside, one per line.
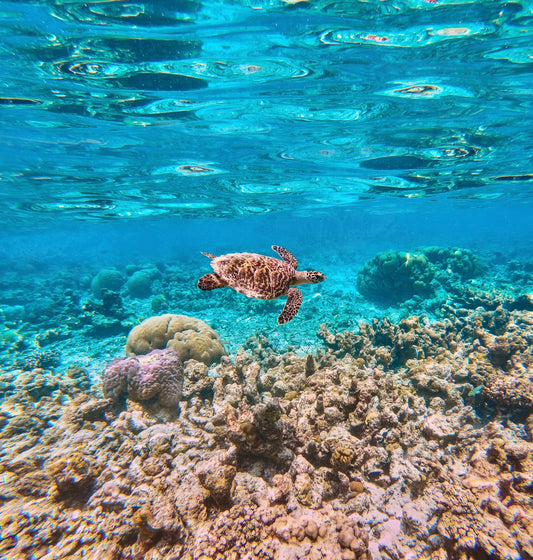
(315,276)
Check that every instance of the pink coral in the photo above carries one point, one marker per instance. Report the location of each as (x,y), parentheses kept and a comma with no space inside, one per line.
(155,377)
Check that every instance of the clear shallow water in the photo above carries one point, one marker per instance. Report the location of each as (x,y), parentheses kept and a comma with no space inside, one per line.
(123,110)
(142,133)
(135,135)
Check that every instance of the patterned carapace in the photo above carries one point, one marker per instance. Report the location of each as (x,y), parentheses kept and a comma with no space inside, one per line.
(261,277)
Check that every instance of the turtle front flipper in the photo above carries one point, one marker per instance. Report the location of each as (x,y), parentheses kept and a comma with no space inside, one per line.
(292,305)
(211,282)
(287,256)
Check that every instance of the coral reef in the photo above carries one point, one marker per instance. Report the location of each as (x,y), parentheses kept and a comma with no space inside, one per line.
(191,338)
(140,283)
(11,340)
(107,279)
(154,379)
(401,439)
(454,260)
(105,318)
(39,359)
(395,276)
(523,302)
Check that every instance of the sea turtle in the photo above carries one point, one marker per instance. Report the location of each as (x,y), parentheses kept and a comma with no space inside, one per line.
(261,277)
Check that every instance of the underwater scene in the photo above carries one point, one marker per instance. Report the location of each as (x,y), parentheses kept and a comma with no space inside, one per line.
(266,280)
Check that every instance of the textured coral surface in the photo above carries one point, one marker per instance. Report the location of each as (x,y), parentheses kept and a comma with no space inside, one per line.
(395,276)
(156,377)
(399,440)
(191,338)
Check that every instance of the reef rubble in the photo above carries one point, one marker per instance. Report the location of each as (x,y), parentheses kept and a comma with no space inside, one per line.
(408,440)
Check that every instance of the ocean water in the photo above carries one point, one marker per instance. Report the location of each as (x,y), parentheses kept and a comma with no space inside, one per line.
(137,135)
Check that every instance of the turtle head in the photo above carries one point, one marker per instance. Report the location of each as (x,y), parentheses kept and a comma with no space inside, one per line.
(314,277)
(307,277)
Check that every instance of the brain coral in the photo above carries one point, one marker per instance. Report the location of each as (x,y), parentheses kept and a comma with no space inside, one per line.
(395,276)
(191,338)
(156,377)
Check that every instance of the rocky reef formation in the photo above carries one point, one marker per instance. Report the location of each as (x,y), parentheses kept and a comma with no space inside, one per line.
(396,276)
(191,338)
(400,440)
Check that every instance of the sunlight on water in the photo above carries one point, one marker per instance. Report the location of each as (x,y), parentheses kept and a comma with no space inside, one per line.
(401,98)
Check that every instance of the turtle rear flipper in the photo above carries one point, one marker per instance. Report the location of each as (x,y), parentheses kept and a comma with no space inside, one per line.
(211,282)
(292,305)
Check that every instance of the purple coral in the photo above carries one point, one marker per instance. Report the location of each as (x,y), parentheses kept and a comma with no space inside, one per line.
(157,376)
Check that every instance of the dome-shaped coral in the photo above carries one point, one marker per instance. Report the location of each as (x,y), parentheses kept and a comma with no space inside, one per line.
(463,262)
(191,338)
(107,279)
(140,282)
(395,276)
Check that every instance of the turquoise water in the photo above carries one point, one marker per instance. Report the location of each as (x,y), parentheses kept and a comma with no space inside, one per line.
(192,110)
(146,133)
(136,135)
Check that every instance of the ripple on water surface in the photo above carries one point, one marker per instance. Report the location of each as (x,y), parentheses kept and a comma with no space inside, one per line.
(254,104)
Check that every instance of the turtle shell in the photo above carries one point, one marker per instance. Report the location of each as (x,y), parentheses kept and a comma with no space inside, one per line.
(254,275)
